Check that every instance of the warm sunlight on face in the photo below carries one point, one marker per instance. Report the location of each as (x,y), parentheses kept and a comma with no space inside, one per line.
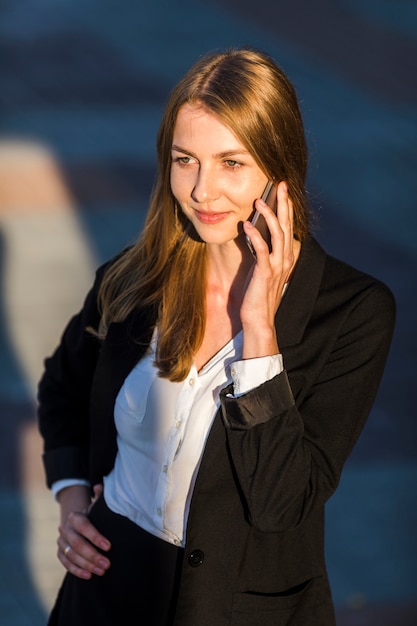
(213,177)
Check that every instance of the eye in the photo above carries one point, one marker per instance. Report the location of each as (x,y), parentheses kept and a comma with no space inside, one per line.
(232,163)
(183,160)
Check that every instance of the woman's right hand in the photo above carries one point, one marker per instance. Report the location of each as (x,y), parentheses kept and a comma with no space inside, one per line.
(78,539)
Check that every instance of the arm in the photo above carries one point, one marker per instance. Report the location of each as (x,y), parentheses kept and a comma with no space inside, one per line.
(63,412)
(288,455)
(64,395)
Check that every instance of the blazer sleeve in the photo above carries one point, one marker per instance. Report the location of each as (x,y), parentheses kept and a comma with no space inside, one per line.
(64,394)
(288,448)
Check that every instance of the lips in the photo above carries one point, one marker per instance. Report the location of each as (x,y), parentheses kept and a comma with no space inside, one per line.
(210,218)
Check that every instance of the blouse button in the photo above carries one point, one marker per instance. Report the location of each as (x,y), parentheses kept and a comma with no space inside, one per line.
(159,511)
(191,382)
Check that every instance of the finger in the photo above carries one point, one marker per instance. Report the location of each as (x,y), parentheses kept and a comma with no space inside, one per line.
(284,210)
(80,559)
(76,563)
(258,244)
(77,545)
(285,217)
(80,523)
(259,234)
(97,491)
(68,559)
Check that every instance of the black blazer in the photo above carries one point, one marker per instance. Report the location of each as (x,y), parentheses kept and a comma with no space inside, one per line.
(255,549)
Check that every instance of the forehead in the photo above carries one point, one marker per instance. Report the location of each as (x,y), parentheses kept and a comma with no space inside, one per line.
(195,123)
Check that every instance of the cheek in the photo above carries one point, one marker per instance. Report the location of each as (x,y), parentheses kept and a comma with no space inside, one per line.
(179,190)
(181,184)
(245,201)
(246,191)
(173,181)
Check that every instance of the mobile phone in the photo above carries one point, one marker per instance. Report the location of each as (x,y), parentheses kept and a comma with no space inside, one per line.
(270,197)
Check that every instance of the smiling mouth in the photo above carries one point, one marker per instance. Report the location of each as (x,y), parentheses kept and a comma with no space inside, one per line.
(210,218)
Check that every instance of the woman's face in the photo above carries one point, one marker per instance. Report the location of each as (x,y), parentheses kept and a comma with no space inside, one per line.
(213,177)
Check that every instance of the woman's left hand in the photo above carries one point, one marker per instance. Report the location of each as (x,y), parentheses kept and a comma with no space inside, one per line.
(268,276)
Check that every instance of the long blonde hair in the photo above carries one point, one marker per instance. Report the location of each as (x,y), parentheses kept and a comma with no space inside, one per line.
(253,97)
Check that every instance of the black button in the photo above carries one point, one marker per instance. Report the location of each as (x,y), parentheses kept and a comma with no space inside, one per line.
(196,558)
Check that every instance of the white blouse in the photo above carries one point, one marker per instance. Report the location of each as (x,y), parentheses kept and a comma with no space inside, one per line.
(162,428)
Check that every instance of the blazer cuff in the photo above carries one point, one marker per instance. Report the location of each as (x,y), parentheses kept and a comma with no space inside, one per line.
(257,406)
(66,462)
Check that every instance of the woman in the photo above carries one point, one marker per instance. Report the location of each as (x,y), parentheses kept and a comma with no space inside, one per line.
(215,394)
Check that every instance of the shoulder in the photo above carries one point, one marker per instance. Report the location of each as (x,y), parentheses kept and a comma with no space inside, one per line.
(104,268)
(359,285)
(340,279)
(111,262)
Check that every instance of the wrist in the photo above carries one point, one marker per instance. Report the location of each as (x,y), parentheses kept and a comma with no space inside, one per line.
(76,498)
(259,342)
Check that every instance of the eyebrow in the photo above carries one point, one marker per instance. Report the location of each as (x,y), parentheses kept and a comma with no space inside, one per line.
(220,155)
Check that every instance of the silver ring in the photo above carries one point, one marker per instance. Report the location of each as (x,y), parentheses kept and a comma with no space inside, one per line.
(67,549)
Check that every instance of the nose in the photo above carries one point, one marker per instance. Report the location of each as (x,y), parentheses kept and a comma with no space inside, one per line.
(206,188)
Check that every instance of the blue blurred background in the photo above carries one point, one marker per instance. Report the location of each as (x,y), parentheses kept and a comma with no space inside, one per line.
(82,87)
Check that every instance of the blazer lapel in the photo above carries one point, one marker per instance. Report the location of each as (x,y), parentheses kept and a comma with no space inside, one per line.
(125,344)
(299,300)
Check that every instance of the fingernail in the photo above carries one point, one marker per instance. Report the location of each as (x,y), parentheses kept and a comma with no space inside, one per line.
(99,571)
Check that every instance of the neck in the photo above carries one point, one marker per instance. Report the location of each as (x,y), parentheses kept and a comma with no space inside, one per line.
(228,267)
